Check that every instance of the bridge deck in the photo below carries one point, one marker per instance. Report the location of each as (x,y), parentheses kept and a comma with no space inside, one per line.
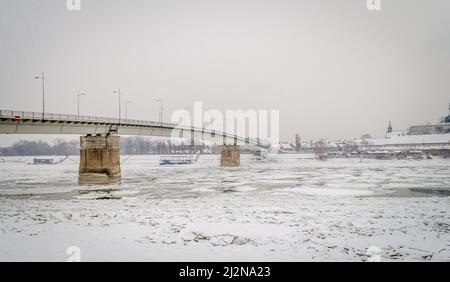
(21,122)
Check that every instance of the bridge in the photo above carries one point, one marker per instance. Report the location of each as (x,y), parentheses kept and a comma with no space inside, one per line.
(100,138)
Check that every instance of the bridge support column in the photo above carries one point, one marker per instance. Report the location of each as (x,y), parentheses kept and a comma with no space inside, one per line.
(99,159)
(230,156)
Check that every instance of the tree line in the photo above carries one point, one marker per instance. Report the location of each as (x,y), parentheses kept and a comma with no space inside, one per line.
(128,146)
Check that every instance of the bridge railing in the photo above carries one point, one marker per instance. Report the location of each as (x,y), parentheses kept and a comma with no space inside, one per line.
(97,119)
(77,118)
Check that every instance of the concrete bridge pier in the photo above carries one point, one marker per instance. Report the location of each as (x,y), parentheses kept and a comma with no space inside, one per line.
(230,156)
(99,159)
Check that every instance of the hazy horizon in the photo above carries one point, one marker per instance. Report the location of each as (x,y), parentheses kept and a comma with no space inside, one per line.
(332,68)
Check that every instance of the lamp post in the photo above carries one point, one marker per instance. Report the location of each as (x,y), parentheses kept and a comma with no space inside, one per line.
(78,105)
(160,110)
(191,124)
(126,109)
(43,92)
(118,92)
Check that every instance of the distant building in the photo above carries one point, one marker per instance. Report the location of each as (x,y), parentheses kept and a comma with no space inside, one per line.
(287,148)
(427,134)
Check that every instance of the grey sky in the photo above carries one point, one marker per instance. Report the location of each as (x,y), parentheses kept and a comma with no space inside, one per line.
(332,68)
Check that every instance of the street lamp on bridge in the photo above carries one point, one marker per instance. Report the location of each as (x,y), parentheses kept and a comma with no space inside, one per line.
(126,109)
(118,92)
(78,98)
(43,93)
(160,101)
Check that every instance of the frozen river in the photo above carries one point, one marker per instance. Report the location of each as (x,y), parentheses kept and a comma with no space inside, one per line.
(283,208)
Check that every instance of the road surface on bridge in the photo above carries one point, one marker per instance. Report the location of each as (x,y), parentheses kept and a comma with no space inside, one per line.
(21,122)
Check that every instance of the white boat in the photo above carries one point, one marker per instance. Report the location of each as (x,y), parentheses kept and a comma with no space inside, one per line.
(45,161)
(176,160)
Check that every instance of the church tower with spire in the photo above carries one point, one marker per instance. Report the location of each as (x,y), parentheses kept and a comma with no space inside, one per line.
(389,129)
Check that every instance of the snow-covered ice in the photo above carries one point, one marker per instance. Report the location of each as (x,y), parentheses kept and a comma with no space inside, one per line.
(328,191)
(287,208)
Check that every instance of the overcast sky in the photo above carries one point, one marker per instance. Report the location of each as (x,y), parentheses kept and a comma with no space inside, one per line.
(332,68)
